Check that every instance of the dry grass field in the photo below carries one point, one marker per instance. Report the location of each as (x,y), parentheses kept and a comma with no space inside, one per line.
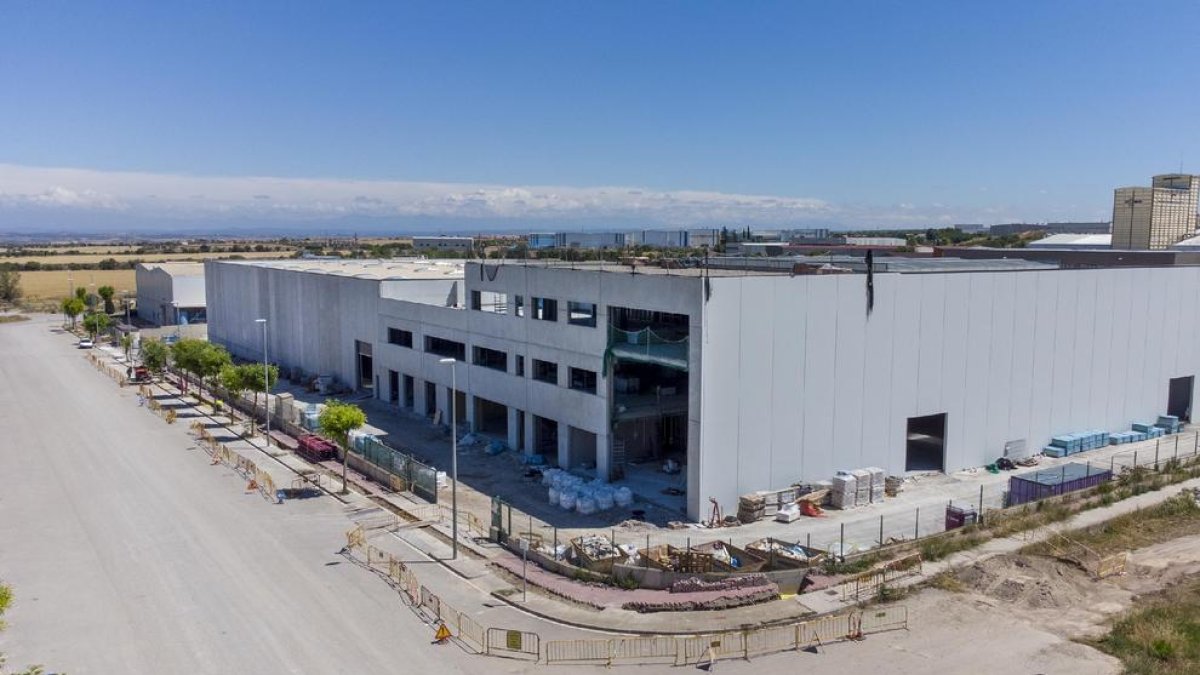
(148,257)
(43,286)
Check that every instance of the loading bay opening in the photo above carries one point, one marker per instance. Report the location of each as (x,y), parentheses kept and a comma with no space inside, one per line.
(926,443)
(1179,397)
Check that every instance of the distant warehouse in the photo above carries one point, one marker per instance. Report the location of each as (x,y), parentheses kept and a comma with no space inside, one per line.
(750,378)
(171,293)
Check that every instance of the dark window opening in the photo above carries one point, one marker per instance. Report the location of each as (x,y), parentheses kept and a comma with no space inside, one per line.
(926,443)
(430,399)
(400,337)
(583,380)
(581,314)
(545,309)
(545,371)
(393,386)
(410,392)
(491,358)
(520,366)
(519,305)
(445,348)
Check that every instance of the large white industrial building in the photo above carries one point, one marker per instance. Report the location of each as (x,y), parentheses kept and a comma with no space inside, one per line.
(751,379)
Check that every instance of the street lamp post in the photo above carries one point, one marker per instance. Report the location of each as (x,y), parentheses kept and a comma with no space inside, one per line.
(453,458)
(266,381)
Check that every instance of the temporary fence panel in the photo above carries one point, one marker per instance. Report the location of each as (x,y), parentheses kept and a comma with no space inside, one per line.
(881,619)
(431,602)
(718,645)
(597,652)
(516,644)
(643,650)
(770,640)
(470,631)
(825,629)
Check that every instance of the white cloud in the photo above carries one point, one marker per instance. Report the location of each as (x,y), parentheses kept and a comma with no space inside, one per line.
(108,196)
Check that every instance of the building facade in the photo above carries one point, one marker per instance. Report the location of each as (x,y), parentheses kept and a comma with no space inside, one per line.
(752,380)
(1156,217)
(457,244)
(170,294)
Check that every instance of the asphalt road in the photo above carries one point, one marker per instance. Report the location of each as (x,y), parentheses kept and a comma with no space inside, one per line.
(129,553)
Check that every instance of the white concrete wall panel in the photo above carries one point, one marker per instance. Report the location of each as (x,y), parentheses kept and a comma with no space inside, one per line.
(849,368)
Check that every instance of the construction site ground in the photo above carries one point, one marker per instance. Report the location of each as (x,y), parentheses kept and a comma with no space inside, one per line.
(944,628)
(918,509)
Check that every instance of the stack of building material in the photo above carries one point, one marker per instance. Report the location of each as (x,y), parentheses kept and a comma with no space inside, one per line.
(1150,430)
(751,507)
(844,491)
(1169,424)
(892,485)
(862,492)
(1069,444)
(877,484)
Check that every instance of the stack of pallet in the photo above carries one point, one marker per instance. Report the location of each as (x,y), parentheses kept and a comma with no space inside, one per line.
(1169,424)
(877,483)
(892,485)
(751,507)
(862,491)
(1069,444)
(845,491)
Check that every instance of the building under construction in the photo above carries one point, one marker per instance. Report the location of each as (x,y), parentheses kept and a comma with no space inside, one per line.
(747,379)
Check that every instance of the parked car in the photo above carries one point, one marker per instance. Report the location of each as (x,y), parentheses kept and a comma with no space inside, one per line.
(86,343)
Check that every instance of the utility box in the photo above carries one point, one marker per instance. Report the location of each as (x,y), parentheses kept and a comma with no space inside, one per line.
(960,516)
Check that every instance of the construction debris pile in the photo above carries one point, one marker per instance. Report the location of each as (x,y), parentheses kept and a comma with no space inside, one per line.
(697,585)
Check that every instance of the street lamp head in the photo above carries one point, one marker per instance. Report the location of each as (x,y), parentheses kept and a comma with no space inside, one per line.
(447,360)
(260,321)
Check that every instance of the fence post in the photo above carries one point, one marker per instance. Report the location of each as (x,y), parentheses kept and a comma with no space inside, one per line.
(881,530)
(1135,459)
(917,525)
(1156,442)
(980,516)
(842,544)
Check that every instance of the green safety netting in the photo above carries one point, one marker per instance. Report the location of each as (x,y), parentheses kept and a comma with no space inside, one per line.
(646,346)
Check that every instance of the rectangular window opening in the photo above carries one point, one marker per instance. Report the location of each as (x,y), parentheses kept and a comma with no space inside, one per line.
(545,309)
(403,338)
(581,313)
(545,371)
(491,358)
(583,380)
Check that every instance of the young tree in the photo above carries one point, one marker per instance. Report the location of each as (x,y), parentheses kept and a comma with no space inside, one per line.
(72,308)
(107,293)
(336,421)
(256,382)
(96,323)
(185,355)
(10,286)
(155,355)
(127,345)
(81,294)
(213,358)
(233,380)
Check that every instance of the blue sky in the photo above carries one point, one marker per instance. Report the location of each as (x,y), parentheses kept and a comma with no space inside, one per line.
(583,114)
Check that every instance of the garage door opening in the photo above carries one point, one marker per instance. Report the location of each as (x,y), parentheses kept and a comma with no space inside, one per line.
(926,443)
(1179,397)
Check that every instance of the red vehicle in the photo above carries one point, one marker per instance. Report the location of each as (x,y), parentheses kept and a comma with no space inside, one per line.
(315,448)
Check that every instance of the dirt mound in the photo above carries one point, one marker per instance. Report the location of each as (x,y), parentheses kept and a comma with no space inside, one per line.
(1055,594)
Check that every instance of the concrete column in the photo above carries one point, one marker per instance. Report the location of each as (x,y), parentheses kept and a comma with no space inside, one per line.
(470,403)
(513,432)
(530,441)
(564,445)
(603,457)
(418,396)
(443,403)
